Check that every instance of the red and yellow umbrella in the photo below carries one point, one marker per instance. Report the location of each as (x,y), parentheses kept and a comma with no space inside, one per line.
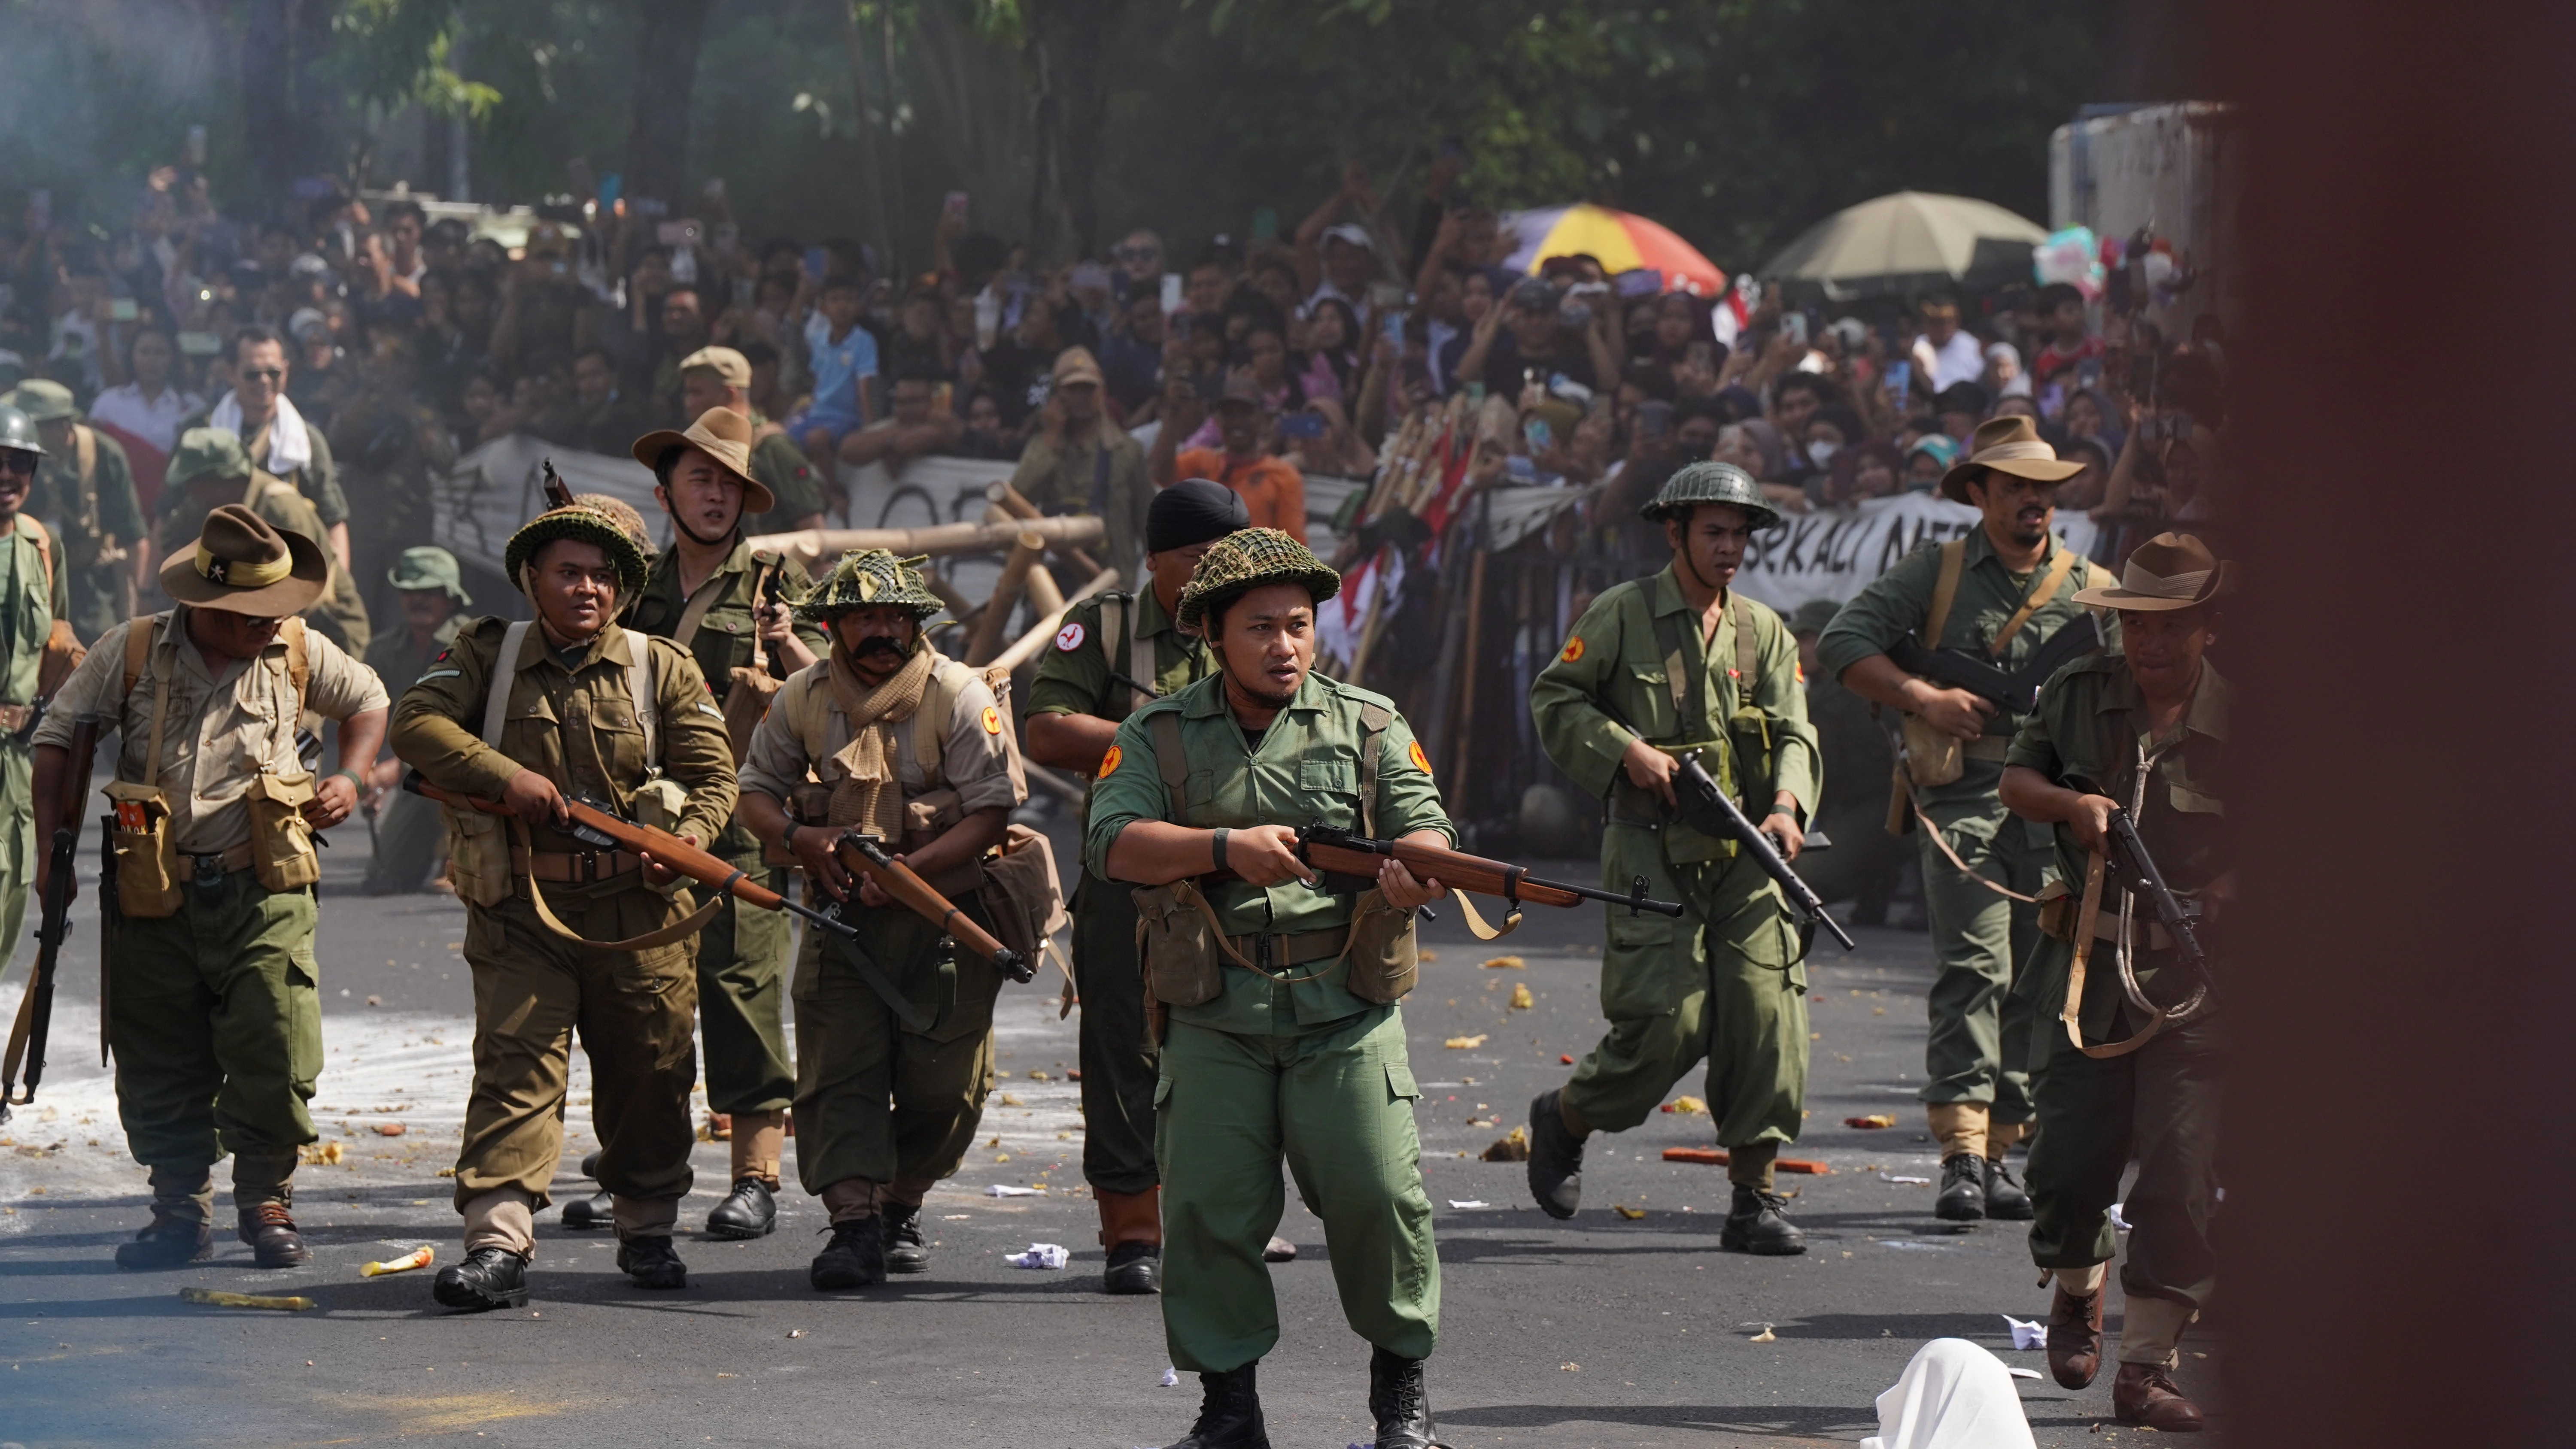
(1622,240)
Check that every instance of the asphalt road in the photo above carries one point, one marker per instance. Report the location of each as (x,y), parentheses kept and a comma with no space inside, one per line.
(1607,1331)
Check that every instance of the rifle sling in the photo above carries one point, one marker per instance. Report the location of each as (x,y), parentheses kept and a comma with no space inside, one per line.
(19,1031)
(679,930)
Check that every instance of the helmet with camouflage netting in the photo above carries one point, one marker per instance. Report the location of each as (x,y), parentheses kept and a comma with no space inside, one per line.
(866,579)
(1245,560)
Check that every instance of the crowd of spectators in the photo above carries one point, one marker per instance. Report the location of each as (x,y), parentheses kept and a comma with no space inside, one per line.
(1260,360)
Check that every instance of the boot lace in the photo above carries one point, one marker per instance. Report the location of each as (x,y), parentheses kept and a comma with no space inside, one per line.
(272,1215)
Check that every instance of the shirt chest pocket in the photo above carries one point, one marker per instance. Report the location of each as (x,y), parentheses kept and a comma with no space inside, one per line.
(1329,790)
(618,733)
(1650,701)
(724,641)
(531,732)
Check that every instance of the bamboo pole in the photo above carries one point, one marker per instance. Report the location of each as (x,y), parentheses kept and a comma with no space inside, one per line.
(1043,631)
(812,544)
(1046,596)
(1006,597)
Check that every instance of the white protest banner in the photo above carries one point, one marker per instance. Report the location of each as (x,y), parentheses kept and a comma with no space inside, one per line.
(1833,553)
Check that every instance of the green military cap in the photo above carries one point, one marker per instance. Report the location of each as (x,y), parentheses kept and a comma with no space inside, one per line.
(1245,560)
(43,400)
(208,451)
(17,430)
(429,567)
(1813,616)
(870,577)
(1711,482)
(588,525)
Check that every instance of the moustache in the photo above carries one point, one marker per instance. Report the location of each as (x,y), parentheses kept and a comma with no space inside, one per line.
(885,644)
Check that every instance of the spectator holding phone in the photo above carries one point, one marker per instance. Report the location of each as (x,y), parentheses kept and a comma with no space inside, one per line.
(1272,488)
(1533,339)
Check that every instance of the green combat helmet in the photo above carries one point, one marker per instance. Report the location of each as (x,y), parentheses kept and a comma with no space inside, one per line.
(429,567)
(589,525)
(1708,482)
(207,453)
(18,431)
(1245,560)
(43,400)
(867,578)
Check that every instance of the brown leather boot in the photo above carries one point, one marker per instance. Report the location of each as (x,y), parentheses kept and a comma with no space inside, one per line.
(1131,1228)
(269,1229)
(2144,1394)
(2075,1337)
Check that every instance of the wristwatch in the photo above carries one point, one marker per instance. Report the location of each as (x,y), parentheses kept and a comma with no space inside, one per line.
(354,778)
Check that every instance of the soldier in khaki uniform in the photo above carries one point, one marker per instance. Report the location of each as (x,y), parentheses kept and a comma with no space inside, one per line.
(719,377)
(32,598)
(211,986)
(1284,1039)
(86,490)
(1997,594)
(719,598)
(1074,711)
(894,1031)
(208,469)
(2143,731)
(562,937)
(1656,667)
(410,838)
(1081,462)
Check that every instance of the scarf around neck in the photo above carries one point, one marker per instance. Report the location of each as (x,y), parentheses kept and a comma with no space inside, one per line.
(869,794)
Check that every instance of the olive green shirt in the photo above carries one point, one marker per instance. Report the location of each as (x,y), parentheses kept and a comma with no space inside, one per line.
(783,468)
(1073,677)
(1899,602)
(397,661)
(32,596)
(88,511)
(318,480)
(1107,476)
(1612,683)
(575,724)
(2089,726)
(1304,769)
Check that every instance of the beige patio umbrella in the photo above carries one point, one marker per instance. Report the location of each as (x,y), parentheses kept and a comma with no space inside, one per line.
(1908,242)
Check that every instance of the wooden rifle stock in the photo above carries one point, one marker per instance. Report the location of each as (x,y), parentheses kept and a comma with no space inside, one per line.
(866,855)
(1339,852)
(28,1036)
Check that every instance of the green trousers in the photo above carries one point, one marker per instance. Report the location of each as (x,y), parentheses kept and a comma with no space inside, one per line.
(19,849)
(410,840)
(98,597)
(1725,984)
(1118,1052)
(878,1099)
(742,1000)
(1980,1030)
(2157,1106)
(215,1018)
(633,1009)
(1337,1104)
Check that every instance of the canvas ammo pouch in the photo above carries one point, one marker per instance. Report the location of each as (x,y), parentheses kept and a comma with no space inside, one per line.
(147,857)
(1383,955)
(1021,892)
(1177,935)
(1933,756)
(281,839)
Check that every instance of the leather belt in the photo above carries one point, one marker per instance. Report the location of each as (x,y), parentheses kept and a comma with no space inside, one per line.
(1291,949)
(14,717)
(213,867)
(578,867)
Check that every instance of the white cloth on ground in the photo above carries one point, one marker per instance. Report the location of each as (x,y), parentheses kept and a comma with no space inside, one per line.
(1953,1395)
(289,446)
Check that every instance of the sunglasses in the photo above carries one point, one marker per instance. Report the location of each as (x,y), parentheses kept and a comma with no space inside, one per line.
(270,373)
(15,461)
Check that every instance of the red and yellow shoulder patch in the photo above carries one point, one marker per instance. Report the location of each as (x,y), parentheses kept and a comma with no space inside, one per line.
(992,720)
(1109,762)
(1573,649)
(1421,761)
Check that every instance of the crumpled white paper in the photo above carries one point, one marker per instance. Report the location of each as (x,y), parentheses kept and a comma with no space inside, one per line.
(1468,1202)
(2027,1335)
(2118,1221)
(1004,1189)
(2021,1373)
(1042,1255)
(1171,1378)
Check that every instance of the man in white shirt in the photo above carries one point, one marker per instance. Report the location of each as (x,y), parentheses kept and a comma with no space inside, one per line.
(1946,353)
(147,409)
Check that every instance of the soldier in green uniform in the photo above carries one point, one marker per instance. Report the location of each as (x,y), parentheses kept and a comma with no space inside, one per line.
(212,987)
(1074,711)
(85,490)
(894,1031)
(1283,1038)
(719,377)
(208,470)
(1997,594)
(561,936)
(716,596)
(2144,731)
(409,836)
(1655,668)
(32,597)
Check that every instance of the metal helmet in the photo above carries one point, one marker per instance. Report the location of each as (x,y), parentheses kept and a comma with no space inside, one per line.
(18,431)
(1712,482)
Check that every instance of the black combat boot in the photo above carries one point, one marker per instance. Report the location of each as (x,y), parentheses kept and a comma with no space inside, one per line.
(1398,1402)
(1229,1413)
(747,1212)
(269,1228)
(905,1252)
(1757,1223)
(652,1263)
(1555,1160)
(599,1210)
(853,1259)
(1133,1268)
(168,1241)
(2005,1198)
(1962,1197)
(489,1278)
